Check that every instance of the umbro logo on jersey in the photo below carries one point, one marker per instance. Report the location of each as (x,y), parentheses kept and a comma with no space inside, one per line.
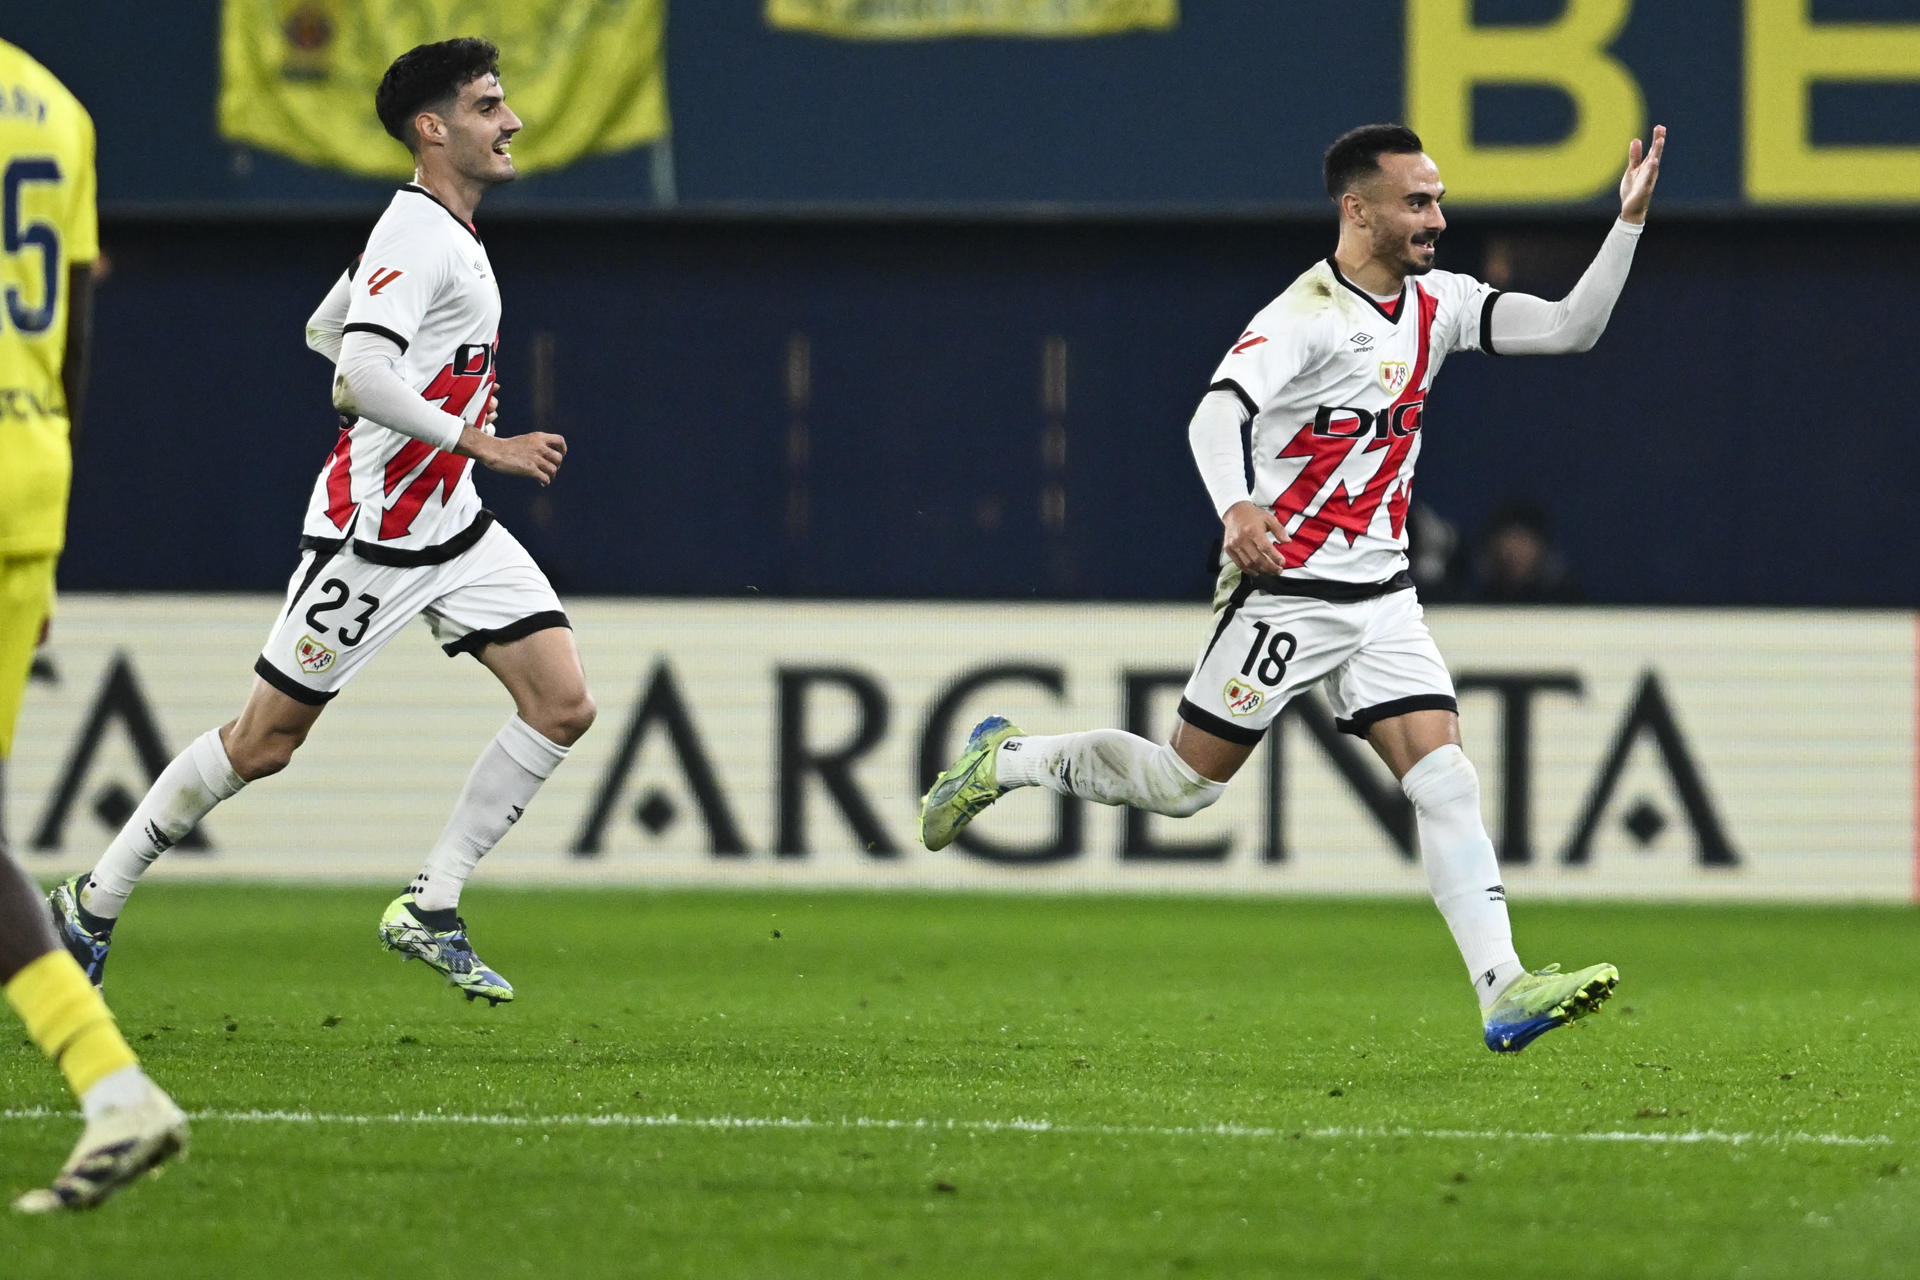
(381,278)
(1361,340)
(1248,341)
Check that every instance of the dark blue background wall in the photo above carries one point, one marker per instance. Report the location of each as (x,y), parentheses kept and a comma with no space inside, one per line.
(1740,435)
(1233,107)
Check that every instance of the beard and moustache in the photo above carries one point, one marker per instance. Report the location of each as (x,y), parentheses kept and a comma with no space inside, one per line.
(1416,264)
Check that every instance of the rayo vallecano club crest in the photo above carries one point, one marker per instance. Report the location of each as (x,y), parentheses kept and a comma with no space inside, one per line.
(1394,375)
(1242,698)
(314,657)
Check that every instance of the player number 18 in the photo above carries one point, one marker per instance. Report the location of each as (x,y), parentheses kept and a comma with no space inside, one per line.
(1273,667)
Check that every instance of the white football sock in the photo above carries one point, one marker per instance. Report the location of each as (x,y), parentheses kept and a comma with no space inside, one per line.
(127,1087)
(185,792)
(1109,766)
(501,786)
(1462,871)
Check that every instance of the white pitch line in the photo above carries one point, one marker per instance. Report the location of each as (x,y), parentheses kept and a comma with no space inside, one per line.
(1688,1137)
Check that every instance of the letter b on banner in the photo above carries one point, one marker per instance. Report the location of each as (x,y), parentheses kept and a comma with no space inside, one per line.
(1448,55)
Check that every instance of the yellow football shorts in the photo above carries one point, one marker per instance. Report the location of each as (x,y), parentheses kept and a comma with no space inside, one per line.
(26,601)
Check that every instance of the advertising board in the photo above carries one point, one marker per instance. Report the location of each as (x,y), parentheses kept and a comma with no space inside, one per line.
(1623,753)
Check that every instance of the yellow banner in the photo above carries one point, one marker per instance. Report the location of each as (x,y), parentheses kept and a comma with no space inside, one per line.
(297,76)
(919,19)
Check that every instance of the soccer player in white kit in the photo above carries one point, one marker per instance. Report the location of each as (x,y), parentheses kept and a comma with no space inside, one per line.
(394,530)
(1333,376)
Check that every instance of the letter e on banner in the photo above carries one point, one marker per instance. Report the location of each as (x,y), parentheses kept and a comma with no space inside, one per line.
(1787,55)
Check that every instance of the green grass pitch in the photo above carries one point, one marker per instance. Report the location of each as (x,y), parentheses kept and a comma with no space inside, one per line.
(841,1084)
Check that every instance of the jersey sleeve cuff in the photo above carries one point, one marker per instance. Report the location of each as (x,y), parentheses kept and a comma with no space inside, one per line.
(1240,392)
(1486,323)
(364,326)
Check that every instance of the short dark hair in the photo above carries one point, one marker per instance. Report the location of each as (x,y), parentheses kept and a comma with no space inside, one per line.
(429,75)
(1356,153)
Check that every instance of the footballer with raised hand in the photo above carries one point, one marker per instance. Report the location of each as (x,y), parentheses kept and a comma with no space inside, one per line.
(1333,377)
(395,531)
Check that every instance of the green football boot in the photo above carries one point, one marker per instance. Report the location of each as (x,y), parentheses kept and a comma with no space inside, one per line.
(446,951)
(1535,1003)
(967,787)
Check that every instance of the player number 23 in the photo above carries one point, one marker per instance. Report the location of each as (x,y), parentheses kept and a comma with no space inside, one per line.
(1273,666)
(336,593)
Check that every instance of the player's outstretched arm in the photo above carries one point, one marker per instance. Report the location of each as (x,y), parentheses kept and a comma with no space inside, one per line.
(1523,325)
(1643,171)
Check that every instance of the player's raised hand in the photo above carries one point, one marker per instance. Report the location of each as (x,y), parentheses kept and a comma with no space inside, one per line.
(1643,171)
(536,455)
(1251,531)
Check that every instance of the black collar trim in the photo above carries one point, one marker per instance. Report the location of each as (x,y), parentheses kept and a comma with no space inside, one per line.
(1391,317)
(419,190)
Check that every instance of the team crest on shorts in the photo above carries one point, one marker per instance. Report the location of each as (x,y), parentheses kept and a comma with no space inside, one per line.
(1242,698)
(314,656)
(1394,375)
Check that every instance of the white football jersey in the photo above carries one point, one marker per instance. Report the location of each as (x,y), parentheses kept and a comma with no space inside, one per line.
(425,282)
(1337,384)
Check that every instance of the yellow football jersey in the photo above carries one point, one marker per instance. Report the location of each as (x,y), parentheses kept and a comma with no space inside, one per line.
(47,224)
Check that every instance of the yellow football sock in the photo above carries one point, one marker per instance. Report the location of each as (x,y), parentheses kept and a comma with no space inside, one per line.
(69,1021)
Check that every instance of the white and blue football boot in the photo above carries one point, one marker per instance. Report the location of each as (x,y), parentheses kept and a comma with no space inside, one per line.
(86,937)
(446,951)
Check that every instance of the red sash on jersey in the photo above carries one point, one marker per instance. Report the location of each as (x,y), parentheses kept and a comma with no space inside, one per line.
(1324,454)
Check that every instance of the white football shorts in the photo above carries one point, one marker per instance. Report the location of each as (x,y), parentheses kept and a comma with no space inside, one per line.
(341,610)
(1376,657)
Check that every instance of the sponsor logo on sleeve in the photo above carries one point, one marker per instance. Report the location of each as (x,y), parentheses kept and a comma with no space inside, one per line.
(381,278)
